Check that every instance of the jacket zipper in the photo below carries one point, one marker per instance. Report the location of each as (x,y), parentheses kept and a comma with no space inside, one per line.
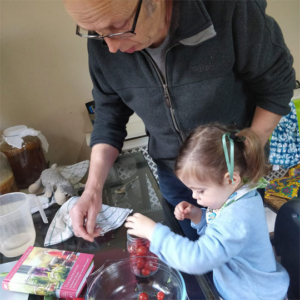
(166,91)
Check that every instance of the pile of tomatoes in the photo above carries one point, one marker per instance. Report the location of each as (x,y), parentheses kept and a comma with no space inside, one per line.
(143,262)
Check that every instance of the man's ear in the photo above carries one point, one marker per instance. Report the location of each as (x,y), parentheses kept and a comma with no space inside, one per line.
(236,178)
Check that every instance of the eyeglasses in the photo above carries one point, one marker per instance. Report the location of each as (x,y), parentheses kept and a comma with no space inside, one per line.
(119,35)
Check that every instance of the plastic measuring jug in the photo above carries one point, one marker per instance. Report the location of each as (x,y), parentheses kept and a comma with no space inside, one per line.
(17,231)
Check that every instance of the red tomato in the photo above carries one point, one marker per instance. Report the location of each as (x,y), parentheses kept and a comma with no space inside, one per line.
(147,265)
(160,296)
(143,296)
(133,258)
(141,251)
(140,262)
(147,244)
(150,265)
(145,272)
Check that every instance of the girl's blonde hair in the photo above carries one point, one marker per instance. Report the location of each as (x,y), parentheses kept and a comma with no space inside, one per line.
(202,155)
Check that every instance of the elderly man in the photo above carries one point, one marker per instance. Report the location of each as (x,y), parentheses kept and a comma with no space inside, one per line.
(177,64)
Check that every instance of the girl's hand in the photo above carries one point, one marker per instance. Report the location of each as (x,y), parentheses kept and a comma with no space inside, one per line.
(183,210)
(186,210)
(140,226)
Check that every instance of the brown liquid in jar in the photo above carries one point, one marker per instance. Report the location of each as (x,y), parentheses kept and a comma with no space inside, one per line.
(26,163)
(8,185)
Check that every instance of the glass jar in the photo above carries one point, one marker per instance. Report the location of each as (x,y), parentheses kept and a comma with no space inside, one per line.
(142,261)
(26,163)
(7,179)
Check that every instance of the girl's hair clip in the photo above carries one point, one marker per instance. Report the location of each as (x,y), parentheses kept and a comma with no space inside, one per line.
(235,138)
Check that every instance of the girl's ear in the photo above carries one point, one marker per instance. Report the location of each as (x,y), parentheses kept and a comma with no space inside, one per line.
(236,179)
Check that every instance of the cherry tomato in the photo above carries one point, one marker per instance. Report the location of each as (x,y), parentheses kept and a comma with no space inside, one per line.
(150,265)
(143,296)
(141,251)
(147,265)
(140,262)
(145,272)
(160,296)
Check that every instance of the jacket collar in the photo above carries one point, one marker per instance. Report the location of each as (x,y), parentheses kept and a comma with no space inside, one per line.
(191,23)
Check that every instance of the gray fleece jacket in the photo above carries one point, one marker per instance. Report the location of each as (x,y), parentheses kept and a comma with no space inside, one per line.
(223,59)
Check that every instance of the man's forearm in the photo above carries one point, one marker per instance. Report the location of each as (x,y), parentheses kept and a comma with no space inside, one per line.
(103,157)
(263,124)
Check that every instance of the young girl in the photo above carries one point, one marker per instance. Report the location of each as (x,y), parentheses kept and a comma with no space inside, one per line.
(222,168)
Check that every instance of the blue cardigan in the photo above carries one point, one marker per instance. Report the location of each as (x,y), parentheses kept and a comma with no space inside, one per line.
(235,246)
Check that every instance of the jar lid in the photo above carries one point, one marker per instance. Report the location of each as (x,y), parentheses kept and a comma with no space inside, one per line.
(14,131)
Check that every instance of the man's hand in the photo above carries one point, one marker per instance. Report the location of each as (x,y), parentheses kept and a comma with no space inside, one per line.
(185,210)
(86,208)
(140,226)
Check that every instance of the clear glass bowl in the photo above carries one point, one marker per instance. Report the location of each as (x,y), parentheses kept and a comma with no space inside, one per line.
(115,280)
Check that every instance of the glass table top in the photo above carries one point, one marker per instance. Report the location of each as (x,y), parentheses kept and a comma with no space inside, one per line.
(130,184)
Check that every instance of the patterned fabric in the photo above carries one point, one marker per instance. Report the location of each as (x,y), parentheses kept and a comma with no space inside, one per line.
(294,172)
(285,141)
(283,189)
(286,188)
(61,228)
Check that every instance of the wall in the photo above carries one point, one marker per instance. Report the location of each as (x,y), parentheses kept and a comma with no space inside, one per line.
(44,71)
(287,14)
(44,76)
